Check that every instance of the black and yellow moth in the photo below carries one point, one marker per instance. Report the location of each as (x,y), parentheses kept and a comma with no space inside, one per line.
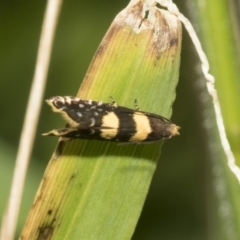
(87,119)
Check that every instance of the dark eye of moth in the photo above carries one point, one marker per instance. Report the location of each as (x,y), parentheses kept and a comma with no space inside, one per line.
(87,119)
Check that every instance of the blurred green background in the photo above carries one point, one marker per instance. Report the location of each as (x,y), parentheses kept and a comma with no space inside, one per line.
(182,202)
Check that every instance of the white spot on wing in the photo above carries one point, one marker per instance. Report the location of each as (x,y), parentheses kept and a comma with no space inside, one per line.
(93,121)
(92,131)
(110,121)
(79,114)
(63,108)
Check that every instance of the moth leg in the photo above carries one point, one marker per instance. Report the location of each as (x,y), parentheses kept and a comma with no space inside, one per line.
(113,102)
(136,105)
(59,132)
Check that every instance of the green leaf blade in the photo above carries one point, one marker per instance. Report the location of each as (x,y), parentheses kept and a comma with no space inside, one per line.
(93,189)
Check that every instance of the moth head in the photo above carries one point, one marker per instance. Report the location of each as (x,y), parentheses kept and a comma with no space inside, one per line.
(61,105)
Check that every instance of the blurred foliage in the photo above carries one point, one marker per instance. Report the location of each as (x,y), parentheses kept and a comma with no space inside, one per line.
(181,203)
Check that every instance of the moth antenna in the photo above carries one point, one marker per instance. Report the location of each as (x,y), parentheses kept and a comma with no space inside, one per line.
(113,102)
(136,105)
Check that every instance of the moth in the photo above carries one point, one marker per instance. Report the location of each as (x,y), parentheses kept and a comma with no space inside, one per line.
(87,119)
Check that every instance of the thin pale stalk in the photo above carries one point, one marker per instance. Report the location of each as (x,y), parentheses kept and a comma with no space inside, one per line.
(31,119)
(210,82)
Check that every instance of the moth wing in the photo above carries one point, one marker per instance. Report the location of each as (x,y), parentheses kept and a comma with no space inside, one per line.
(150,115)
